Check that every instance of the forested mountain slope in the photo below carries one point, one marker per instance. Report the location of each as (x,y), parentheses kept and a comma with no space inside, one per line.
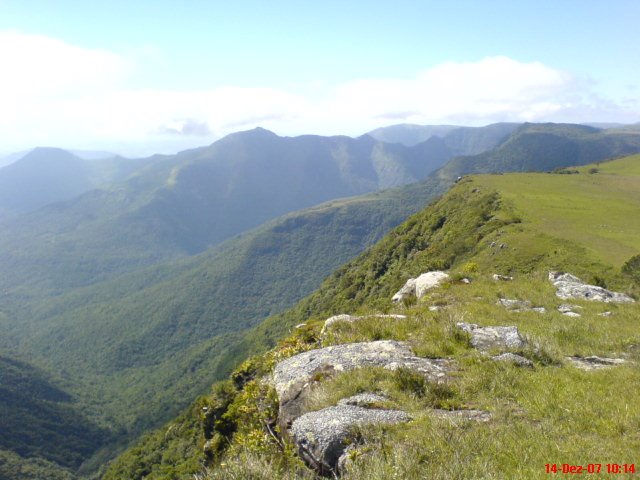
(139,347)
(458,140)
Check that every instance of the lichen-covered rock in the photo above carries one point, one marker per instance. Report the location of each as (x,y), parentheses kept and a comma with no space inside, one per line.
(293,377)
(329,322)
(519,305)
(518,360)
(594,362)
(322,437)
(487,338)
(568,310)
(429,280)
(515,305)
(502,278)
(569,286)
(419,286)
(364,400)
(408,290)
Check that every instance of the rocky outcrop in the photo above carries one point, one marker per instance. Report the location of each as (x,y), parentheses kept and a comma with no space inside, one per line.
(419,286)
(569,310)
(488,338)
(571,287)
(322,437)
(293,377)
(408,290)
(520,306)
(364,400)
(329,322)
(594,362)
(518,360)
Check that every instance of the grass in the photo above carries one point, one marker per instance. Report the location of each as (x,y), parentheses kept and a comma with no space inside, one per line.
(551,415)
(598,211)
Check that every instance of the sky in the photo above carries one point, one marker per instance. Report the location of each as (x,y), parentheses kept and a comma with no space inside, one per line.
(142,77)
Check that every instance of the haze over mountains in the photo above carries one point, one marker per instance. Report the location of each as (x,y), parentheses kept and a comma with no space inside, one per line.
(134,280)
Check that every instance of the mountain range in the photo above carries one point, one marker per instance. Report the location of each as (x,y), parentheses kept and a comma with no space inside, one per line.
(133,291)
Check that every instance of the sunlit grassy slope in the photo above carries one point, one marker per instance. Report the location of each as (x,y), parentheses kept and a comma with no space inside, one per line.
(553,413)
(597,210)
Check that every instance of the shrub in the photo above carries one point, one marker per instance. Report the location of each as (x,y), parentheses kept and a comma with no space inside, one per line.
(632,268)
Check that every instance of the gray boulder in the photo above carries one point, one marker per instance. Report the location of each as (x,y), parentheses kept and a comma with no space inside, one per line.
(487,338)
(293,377)
(571,287)
(322,437)
(418,287)
(408,290)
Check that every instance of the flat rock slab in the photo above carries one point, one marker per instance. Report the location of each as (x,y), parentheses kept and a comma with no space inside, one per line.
(292,377)
(487,338)
(322,437)
(364,400)
(418,287)
(469,415)
(518,360)
(329,322)
(594,362)
(519,305)
(571,287)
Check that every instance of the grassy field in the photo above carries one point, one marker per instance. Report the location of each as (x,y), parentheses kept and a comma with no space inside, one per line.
(598,211)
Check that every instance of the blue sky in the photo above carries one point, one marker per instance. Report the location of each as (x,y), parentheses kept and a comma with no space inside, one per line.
(148,76)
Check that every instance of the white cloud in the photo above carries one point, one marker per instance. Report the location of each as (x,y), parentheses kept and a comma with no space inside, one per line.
(55,93)
(47,67)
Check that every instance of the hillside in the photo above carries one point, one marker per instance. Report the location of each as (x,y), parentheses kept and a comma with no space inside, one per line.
(544,147)
(410,134)
(137,349)
(44,435)
(456,139)
(488,418)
